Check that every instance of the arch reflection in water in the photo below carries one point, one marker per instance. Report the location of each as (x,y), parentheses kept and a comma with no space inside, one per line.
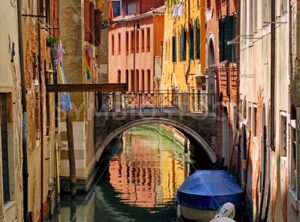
(149,170)
(143,175)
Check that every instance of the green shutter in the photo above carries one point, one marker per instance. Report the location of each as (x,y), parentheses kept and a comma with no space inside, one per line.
(191,42)
(174,49)
(221,40)
(226,34)
(229,34)
(184,44)
(197,39)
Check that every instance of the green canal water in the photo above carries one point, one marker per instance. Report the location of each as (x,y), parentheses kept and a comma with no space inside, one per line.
(138,181)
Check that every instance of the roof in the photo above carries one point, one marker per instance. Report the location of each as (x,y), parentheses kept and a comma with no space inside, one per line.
(132,18)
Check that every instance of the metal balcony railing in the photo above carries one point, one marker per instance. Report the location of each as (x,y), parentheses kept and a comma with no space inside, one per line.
(160,101)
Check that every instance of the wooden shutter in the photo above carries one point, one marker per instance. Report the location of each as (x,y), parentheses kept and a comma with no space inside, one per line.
(4,147)
(174,49)
(92,23)
(221,40)
(97,27)
(226,34)
(197,39)
(184,44)
(87,21)
(191,42)
(229,34)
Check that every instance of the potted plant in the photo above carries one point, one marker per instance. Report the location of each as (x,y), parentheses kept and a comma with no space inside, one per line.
(51,41)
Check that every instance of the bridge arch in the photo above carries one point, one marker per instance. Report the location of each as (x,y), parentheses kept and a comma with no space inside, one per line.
(187,130)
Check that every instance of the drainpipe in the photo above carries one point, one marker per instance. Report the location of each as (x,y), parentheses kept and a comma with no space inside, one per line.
(273,51)
(24,110)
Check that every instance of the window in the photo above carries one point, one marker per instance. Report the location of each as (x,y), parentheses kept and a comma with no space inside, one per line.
(174,49)
(119,43)
(149,80)
(4,148)
(266,11)
(127,43)
(254,15)
(227,28)
(131,8)
(143,40)
(127,78)
(132,42)
(119,76)
(197,33)
(148,39)
(293,156)
(132,80)
(112,44)
(208,4)
(137,79)
(116,8)
(137,41)
(251,18)
(143,81)
(254,121)
(249,118)
(191,42)
(182,45)
(283,133)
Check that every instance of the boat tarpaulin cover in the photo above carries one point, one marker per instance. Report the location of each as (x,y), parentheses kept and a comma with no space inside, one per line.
(209,190)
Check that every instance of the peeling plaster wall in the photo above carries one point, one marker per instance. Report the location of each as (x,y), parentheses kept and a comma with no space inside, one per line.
(10,86)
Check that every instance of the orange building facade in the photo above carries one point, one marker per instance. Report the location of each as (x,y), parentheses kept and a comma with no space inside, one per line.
(135,46)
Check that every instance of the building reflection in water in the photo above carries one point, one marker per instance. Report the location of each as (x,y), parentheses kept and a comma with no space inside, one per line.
(147,173)
(143,176)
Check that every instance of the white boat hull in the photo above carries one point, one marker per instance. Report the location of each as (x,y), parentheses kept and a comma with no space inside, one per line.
(194,214)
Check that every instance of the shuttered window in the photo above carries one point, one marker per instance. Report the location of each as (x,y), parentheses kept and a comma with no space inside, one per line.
(92,21)
(191,42)
(182,45)
(4,147)
(174,48)
(87,21)
(197,37)
(97,27)
(227,33)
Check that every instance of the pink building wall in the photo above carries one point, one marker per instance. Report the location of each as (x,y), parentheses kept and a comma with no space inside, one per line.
(122,61)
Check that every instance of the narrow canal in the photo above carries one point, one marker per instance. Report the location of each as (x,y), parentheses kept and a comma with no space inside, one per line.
(138,180)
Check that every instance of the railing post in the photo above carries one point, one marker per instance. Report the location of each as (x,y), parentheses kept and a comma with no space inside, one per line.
(117,101)
(185,102)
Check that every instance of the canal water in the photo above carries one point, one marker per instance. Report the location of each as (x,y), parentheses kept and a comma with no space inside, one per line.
(138,180)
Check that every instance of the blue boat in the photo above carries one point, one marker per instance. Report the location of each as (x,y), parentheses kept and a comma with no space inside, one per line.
(204,192)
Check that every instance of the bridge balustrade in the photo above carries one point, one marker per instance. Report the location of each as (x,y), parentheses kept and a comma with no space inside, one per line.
(159,101)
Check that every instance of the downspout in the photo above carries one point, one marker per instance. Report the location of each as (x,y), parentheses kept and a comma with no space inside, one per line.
(273,51)
(24,110)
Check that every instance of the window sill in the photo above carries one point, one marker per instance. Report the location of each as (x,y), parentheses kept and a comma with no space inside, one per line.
(293,199)
(10,211)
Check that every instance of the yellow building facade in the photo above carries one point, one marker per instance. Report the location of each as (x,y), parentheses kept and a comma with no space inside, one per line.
(184,47)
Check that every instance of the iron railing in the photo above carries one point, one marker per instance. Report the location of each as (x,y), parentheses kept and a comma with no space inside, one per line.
(160,101)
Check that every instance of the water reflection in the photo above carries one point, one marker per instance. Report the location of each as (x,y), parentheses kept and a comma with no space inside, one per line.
(147,173)
(143,176)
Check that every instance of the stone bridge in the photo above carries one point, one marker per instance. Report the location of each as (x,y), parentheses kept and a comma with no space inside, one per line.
(200,127)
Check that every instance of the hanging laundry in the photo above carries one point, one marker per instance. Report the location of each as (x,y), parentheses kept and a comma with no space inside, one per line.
(65,97)
(88,63)
(178,10)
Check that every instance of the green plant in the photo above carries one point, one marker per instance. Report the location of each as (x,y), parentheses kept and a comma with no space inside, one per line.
(51,41)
